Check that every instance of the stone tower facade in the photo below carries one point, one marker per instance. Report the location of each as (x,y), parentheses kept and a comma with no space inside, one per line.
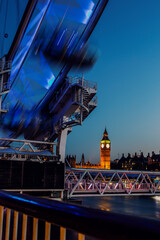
(105,147)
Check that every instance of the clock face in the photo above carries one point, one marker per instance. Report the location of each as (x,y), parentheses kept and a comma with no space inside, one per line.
(107,145)
(102,145)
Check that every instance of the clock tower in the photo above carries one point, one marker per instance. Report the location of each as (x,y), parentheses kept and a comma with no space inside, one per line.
(105,147)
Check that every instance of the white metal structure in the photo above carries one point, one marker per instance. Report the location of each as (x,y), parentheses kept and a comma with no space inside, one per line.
(70,106)
(98,182)
(26,143)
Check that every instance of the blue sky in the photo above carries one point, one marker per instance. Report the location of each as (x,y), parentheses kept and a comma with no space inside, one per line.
(128,76)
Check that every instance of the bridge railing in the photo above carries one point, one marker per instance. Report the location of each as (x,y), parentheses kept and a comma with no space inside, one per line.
(26,217)
(99,182)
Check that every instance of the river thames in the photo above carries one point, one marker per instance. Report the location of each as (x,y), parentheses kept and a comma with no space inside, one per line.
(133,205)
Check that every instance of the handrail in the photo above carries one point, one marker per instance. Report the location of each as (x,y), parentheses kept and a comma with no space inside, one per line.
(82,82)
(92,222)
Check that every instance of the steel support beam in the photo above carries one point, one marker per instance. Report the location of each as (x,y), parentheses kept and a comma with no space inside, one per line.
(61,144)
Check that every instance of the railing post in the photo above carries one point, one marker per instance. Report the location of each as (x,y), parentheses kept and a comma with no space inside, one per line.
(8,224)
(62,195)
(81,236)
(35,229)
(47,230)
(62,233)
(15,225)
(1,220)
(24,227)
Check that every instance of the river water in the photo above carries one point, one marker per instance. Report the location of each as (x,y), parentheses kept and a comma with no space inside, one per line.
(144,206)
(141,206)
(134,205)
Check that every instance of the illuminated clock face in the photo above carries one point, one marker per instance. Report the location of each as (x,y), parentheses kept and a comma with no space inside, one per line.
(102,145)
(107,145)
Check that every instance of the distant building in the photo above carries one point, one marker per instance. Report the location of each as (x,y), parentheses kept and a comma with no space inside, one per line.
(131,162)
(138,162)
(105,147)
(70,161)
(154,162)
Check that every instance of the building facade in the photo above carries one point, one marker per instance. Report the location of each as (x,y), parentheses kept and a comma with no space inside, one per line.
(138,162)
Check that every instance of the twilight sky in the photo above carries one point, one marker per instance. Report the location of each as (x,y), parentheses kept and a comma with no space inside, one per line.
(128,76)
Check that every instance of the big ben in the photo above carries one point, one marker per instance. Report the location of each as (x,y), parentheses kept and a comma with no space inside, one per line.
(105,147)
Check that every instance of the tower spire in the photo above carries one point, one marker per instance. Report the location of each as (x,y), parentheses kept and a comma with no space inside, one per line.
(105,147)
(105,135)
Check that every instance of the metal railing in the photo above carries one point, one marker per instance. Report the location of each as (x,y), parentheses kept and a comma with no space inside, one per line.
(6,84)
(5,69)
(26,217)
(71,81)
(94,101)
(5,65)
(82,82)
